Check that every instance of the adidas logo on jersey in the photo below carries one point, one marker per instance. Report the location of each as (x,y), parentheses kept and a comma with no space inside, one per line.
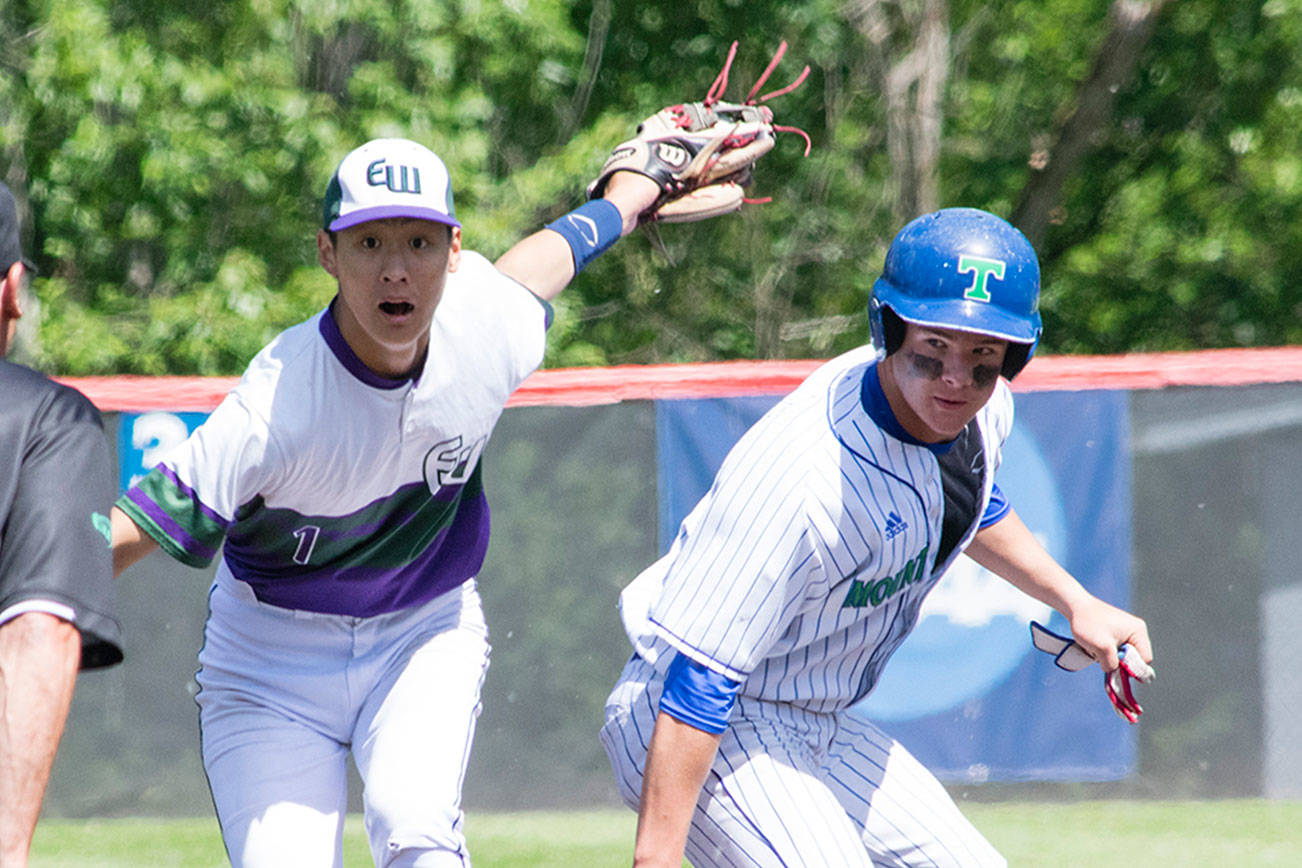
(895,525)
(875,593)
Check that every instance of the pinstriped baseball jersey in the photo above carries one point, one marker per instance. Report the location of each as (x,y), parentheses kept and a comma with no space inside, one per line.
(805,565)
(274,471)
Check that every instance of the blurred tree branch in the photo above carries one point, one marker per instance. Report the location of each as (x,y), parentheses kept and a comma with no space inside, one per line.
(1132,23)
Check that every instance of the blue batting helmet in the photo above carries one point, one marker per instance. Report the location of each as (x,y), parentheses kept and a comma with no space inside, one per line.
(965,269)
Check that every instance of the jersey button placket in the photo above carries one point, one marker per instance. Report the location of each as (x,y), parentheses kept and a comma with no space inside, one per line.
(406,424)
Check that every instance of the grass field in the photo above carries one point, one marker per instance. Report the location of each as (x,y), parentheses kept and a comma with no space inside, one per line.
(1240,833)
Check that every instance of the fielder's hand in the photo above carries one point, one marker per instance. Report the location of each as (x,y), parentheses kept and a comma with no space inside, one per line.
(1068,655)
(701,154)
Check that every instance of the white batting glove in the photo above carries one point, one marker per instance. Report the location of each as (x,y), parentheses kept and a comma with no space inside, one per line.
(1069,655)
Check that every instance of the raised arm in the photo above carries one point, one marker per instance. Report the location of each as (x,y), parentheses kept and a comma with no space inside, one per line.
(546,261)
(1009,549)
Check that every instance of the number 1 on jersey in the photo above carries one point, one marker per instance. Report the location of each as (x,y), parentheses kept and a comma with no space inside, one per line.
(306,537)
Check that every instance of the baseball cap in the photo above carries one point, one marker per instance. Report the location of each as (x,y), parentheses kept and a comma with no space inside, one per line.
(11,250)
(388,178)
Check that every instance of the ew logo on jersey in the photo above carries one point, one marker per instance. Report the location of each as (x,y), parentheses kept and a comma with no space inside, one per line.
(895,525)
(451,461)
(875,593)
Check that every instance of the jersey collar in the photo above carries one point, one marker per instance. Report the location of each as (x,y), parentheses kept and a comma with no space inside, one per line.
(335,341)
(879,410)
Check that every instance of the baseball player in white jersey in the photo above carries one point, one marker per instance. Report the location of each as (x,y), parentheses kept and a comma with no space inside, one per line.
(343,477)
(804,566)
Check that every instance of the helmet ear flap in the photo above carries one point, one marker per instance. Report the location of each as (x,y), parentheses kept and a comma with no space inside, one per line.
(892,330)
(1015,358)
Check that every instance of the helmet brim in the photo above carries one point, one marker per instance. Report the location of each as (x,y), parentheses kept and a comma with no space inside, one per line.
(963,315)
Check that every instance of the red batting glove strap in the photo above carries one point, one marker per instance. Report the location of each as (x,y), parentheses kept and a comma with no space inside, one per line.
(1117,683)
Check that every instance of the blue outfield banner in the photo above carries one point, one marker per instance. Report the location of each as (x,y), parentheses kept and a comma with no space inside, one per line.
(967,693)
(144,437)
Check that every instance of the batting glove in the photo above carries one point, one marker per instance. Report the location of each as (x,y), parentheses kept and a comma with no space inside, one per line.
(1069,655)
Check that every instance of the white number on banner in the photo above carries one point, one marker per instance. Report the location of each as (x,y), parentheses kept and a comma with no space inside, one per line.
(153,434)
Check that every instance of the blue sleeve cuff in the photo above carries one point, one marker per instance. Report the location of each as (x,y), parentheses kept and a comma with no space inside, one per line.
(590,230)
(996,509)
(698,696)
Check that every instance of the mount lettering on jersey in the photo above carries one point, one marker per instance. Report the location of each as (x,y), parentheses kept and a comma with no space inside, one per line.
(872,593)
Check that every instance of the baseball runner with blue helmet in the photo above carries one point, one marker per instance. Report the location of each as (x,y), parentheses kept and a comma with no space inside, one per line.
(804,567)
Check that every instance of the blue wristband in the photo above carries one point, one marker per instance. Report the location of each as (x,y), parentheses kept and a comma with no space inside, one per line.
(589,229)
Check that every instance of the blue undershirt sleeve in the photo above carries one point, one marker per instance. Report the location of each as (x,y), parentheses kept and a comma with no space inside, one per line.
(996,509)
(697,695)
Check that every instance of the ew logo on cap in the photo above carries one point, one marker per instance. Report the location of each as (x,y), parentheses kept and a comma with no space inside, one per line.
(379,174)
(387,178)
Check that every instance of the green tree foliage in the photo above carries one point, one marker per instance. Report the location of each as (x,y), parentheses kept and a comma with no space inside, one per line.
(1181,229)
(173,157)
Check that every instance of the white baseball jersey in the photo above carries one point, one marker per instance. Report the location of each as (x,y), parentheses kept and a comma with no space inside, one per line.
(344,617)
(805,565)
(799,574)
(337,490)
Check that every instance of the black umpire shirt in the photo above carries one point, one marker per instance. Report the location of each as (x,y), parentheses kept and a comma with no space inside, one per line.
(56,489)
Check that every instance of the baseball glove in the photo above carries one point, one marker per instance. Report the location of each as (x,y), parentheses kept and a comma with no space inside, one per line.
(701,154)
